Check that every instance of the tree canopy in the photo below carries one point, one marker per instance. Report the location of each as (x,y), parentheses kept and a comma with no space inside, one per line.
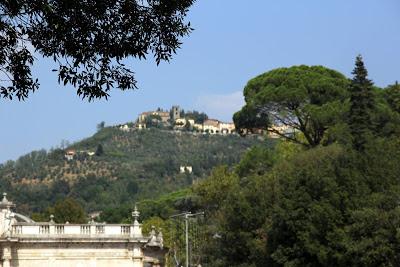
(88,40)
(65,210)
(362,105)
(392,95)
(305,99)
(303,204)
(324,206)
(68,210)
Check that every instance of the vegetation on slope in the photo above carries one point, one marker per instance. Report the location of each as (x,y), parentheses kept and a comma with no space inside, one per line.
(131,166)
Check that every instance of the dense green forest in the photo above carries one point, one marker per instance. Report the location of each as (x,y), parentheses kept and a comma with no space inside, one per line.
(126,167)
(326,196)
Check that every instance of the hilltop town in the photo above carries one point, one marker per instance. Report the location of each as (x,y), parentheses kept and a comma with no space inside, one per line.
(177,119)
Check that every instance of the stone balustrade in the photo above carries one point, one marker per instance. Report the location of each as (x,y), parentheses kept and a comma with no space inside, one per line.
(21,229)
(26,243)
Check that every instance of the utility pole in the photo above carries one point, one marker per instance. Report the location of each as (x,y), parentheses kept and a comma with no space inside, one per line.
(186,216)
(187,238)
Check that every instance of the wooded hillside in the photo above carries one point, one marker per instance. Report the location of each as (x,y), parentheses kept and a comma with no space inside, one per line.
(126,167)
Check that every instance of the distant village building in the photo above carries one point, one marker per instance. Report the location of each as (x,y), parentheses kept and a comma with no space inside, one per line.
(70,154)
(185,169)
(124,128)
(176,113)
(164,115)
(73,154)
(214,127)
(25,243)
(140,126)
(142,117)
(198,127)
(211,126)
(182,122)
(226,127)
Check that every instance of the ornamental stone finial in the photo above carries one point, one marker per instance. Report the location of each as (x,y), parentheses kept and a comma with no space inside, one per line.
(5,203)
(136,228)
(135,214)
(51,218)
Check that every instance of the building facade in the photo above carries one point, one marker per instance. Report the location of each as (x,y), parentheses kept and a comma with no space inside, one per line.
(164,116)
(176,113)
(215,126)
(25,243)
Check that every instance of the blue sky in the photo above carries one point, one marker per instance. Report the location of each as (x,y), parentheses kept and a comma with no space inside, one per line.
(233,41)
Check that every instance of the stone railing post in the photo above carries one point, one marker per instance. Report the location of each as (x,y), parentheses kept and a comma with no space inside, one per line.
(92,227)
(52,227)
(136,229)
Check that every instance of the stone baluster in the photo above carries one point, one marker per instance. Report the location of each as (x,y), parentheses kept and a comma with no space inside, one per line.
(92,226)
(52,227)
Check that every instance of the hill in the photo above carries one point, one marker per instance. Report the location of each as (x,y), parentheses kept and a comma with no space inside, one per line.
(114,167)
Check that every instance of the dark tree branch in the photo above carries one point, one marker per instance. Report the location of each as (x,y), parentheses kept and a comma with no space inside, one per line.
(287,137)
(88,39)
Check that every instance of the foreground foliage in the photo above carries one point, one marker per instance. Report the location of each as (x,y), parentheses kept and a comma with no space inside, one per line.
(87,40)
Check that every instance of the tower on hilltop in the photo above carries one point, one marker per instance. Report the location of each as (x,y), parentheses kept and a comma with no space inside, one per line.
(176,113)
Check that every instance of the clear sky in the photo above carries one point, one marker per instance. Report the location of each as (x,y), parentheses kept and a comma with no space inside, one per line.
(233,41)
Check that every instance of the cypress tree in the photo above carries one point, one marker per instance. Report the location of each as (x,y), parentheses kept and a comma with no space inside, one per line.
(362,104)
(99,150)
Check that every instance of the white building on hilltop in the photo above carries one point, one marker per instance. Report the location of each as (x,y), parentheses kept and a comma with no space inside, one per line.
(216,127)
(25,243)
